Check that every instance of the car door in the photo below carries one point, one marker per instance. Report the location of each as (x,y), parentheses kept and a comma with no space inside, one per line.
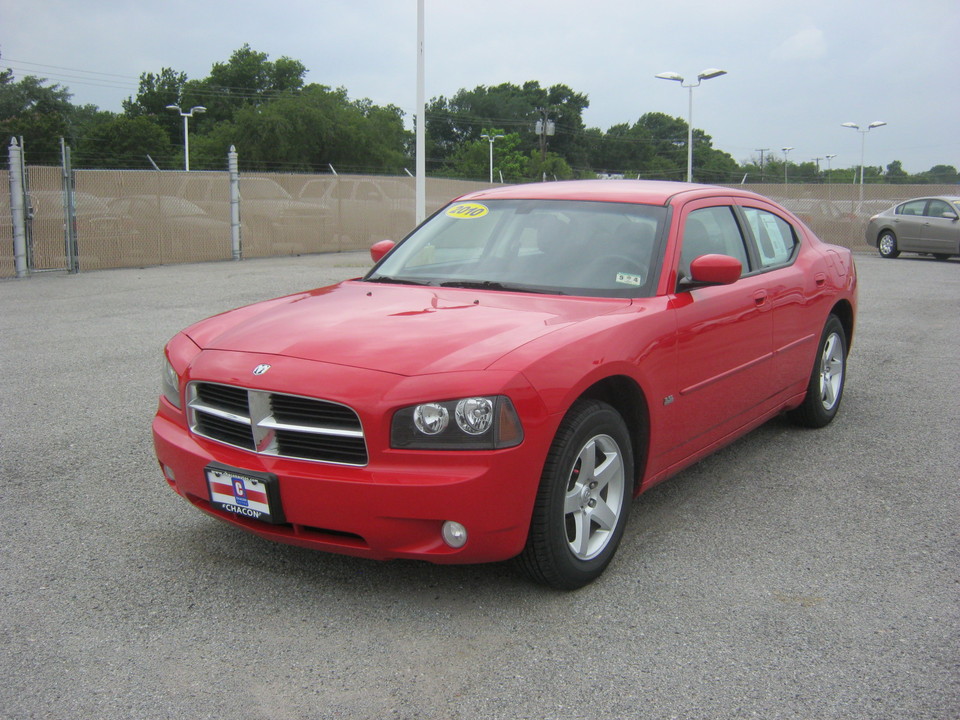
(940,232)
(774,244)
(908,224)
(724,333)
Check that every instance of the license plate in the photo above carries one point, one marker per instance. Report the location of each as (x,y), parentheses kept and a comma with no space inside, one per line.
(245,494)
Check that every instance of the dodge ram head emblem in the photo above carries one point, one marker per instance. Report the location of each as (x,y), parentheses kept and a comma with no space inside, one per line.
(261,369)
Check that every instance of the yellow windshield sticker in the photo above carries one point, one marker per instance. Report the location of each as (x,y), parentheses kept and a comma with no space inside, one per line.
(467,211)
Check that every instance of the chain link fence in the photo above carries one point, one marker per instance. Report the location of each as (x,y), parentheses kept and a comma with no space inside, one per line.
(133,218)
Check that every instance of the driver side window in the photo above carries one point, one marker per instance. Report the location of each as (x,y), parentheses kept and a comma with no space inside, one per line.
(711,231)
(938,208)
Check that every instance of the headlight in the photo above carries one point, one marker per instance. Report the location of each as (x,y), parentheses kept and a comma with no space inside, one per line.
(170,383)
(474,423)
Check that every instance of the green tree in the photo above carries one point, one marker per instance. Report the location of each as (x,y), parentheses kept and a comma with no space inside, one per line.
(117,141)
(472,158)
(155,93)
(895,174)
(247,79)
(462,118)
(715,166)
(308,131)
(668,145)
(622,149)
(551,167)
(940,175)
(38,112)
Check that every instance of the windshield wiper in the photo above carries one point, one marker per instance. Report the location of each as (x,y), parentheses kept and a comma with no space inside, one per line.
(396,280)
(493,285)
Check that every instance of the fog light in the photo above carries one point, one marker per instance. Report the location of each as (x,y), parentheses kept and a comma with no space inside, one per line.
(168,471)
(454,534)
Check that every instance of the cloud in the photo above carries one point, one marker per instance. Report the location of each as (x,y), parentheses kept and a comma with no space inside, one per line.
(806,44)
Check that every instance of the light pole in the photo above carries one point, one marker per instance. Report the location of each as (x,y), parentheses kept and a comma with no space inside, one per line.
(705,75)
(828,158)
(491,139)
(785,163)
(863,141)
(186,134)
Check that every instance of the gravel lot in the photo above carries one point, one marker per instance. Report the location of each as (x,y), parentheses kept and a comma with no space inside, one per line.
(795,574)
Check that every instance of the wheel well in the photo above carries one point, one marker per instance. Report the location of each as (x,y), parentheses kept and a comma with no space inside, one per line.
(844,312)
(628,399)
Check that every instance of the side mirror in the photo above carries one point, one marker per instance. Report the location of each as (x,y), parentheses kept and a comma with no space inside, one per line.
(714,270)
(378,250)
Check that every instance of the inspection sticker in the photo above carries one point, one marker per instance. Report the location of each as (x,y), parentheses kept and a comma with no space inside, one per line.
(629,279)
(467,211)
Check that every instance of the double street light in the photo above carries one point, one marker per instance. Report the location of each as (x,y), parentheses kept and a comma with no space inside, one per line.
(186,137)
(786,163)
(705,75)
(491,139)
(863,141)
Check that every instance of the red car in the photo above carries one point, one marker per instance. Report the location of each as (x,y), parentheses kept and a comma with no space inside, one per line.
(507,378)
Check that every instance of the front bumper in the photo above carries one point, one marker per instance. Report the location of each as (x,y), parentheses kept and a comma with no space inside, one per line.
(394,507)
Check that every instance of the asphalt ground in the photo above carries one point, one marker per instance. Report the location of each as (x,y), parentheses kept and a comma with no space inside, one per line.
(794,574)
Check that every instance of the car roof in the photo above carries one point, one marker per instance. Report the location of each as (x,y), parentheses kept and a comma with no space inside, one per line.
(644,192)
(947,198)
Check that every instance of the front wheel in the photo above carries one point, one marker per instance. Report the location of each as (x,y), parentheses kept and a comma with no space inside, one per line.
(825,388)
(584,498)
(887,245)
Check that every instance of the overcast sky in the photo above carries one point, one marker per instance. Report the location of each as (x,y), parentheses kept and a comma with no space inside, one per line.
(796,70)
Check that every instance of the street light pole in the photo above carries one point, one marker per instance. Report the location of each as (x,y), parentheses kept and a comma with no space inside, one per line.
(863,145)
(491,139)
(863,141)
(705,75)
(828,159)
(186,134)
(786,164)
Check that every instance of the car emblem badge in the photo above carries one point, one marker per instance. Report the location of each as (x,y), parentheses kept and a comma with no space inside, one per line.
(261,369)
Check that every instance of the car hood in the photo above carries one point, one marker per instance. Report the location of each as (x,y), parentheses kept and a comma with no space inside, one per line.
(397,329)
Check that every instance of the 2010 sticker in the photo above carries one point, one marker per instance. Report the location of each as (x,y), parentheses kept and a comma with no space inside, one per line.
(467,211)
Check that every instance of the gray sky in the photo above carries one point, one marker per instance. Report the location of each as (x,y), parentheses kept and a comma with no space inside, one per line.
(797,70)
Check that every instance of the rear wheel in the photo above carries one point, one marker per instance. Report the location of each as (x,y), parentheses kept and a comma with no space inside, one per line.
(584,498)
(887,245)
(825,389)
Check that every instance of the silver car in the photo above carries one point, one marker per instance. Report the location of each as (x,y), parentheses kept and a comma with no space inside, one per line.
(928,225)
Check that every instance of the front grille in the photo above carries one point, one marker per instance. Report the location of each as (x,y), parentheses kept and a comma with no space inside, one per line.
(276,424)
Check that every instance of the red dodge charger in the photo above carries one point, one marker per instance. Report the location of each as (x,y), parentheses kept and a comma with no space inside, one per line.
(508,377)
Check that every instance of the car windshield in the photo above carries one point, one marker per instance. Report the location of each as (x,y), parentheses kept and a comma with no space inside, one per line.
(560,247)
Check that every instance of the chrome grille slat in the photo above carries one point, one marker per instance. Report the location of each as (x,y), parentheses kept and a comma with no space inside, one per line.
(276,424)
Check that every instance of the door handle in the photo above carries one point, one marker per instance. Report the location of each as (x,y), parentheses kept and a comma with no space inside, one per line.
(760,297)
(820,279)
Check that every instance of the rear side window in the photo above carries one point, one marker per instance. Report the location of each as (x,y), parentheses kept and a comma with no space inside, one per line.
(774,236)
(914,207)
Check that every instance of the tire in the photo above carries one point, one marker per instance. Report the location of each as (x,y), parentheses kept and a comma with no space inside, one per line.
(583,500)
(887,245)
(825,389)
